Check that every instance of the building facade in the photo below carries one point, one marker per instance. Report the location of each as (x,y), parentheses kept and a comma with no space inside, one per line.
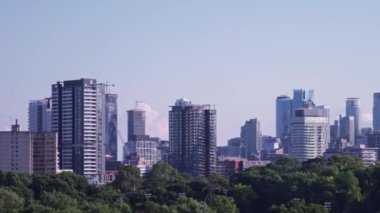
(299,97)
(78,115)
(347,129)
(136,123)
(111,126)
(251,137)
(143,152)
(192,138)
(40,115)
(376,112)
(45,152)
(353,109)
(309,133)
(16,150)
(283,115)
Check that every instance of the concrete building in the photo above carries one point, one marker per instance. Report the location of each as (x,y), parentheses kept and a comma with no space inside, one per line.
(353,109)
(192,138)
(45,152)
(376,112)
(16,150)
(335,131)
(40,115)
(309,132)
(283,115)
(251,137)
(142,151)
(78,116)
(136,122)
(111,127)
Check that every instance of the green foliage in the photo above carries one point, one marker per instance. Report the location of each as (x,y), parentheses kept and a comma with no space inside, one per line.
(10,201)
(128,179)
(223,204)
(298,206)
(189,205)
(284,186)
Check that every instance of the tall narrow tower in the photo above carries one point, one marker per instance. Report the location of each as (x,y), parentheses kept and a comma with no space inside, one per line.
(78,115)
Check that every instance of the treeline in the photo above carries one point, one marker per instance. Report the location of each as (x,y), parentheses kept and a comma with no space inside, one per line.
(339,184)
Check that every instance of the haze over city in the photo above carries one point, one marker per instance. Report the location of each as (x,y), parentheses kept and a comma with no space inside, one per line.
(238,56)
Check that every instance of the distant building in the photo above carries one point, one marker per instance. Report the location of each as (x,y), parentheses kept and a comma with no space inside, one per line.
(309,132)
(335,131)
(236,148)
(376,111)
(45,152)
(369,156)
(16,150)
(136,122)
(353,109)
(40,115)
(251,137)
(283,115)
(78,116)
(192,138)
(111,126)
(164,149)
(374,140)
(270,143)
(299,97)
(142,152)
(347,129)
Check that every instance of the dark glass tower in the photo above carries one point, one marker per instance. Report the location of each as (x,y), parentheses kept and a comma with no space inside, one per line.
(192,138)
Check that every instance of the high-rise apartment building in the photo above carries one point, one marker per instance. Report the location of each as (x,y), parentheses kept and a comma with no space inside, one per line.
(192,138)
(40,114)
(376,111)
(16,150)
(283,115)
(309,132)
(136,122)
(353,109)
(45,152)
(251,137)
(111,126)
(78,115)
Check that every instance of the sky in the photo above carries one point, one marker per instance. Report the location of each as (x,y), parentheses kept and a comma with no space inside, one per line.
(237,55)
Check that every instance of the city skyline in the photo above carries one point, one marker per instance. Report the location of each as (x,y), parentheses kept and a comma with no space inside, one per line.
(239,57)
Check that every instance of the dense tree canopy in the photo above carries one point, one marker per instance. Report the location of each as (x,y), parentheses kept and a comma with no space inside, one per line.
(339,184)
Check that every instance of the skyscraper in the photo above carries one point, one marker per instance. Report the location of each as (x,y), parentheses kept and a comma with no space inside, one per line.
(250,135)
(347,129)
(353,109)
(78,117)
(309,132)
(376,111)
(283,115)
(111,126)
(192,138)
(40,115)
(136,122)
(299,97)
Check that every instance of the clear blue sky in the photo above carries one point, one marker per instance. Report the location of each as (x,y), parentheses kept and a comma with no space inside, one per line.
(238,55)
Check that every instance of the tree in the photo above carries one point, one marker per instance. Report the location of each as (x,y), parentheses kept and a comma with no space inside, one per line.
(189,205)
(10,201)
(128,179)
(151,207)
(162,175)
(244,197)
(58,200)
(223,204)
(298,206)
